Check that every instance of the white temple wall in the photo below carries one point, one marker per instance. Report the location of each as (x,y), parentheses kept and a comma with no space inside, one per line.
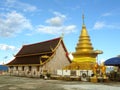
(35,72)
(75,72)
(66,72)
(58,61)
(60,72)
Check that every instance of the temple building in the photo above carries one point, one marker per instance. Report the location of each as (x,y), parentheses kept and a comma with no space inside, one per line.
(84,57)
(40,58)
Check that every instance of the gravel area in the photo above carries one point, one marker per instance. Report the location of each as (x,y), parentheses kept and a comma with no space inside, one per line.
(24,83)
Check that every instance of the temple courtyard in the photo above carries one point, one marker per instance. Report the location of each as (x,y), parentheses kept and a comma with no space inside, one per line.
(24,83)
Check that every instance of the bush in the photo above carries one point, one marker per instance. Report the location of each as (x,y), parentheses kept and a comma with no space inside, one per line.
(48,75)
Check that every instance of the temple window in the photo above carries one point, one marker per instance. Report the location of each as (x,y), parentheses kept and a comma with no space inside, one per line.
(11,67)
(22,68)
(37,68)
(16,67)
(29,68)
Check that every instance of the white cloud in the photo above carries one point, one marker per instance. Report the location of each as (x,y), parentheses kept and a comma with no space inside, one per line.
(56,30)
(7,47)
(106,14)
(58,20)
(59,14)
(15,4)
(56,25)
(12,23)
(106,24)
(99,25)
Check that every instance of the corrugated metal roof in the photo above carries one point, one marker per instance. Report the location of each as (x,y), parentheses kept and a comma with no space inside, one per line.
(115,61)
(3,68)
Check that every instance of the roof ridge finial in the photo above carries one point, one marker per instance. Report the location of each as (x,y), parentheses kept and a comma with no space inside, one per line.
(62,35)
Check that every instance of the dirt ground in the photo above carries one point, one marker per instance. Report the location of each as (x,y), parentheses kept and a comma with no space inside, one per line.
(24,83)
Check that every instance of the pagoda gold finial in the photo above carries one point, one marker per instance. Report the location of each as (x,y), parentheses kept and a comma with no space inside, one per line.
(83,18)
(84,30)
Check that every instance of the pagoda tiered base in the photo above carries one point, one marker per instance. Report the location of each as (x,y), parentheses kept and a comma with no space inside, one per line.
(80,66)
(84,60)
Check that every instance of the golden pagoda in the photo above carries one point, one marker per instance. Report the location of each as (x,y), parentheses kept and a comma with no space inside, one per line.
(85,55)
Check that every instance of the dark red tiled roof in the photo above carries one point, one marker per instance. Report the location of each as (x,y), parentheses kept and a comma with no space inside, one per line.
(31,54)
(37,48)
(26,60)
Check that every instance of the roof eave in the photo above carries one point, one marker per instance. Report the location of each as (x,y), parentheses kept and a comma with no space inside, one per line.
(34,54)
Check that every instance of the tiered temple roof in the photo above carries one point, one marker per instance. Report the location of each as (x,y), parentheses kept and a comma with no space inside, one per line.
(33,53)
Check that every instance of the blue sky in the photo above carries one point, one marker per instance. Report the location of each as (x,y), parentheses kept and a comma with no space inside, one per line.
(30,21)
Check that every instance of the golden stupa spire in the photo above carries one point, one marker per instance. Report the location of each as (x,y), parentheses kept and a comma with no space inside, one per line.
(84,44)
(84,47)
(83,31)
(84,58)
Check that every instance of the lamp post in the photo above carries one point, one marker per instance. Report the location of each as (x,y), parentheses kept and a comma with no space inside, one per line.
(4,59)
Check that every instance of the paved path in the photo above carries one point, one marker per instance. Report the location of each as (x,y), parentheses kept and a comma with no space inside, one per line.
(23,83)
(90,87)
